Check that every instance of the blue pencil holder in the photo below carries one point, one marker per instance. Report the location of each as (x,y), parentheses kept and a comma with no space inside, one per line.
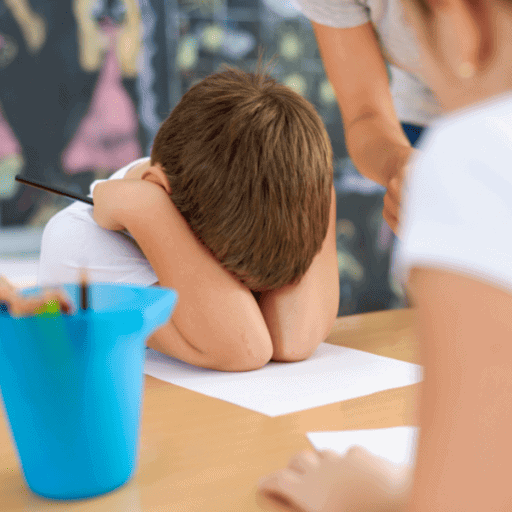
(72,388)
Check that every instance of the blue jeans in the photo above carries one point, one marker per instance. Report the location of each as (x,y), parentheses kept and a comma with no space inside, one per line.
(413,132)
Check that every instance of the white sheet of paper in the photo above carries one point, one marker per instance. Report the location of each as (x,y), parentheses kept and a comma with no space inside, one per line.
(397,444)
(330,375)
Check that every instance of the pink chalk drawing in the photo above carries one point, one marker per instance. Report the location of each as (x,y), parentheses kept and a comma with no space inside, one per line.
(9,144)
(106,138)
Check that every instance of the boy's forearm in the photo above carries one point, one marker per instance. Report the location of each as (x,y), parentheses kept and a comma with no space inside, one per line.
(219,324)
(224,326)
(300,316)
(377,147)
(169,340)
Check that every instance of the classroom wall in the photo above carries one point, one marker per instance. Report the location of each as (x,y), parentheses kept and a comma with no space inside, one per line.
(84,85)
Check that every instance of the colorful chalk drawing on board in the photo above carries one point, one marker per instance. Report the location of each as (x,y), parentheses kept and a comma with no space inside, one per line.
(106,139)
(11,160)
(76,83)
(108,36)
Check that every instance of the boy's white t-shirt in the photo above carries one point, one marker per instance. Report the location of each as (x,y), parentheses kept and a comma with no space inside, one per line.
(414,102)
(72,240)
(457,211)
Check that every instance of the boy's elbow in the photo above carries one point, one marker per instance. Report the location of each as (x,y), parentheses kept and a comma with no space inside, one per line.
(250,354)
(298,348)
(243,365)
(301,342)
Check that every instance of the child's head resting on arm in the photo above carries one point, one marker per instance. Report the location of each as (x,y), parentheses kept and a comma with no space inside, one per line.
(249,164)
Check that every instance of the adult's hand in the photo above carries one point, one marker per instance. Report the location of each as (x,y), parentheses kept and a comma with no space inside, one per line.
(393,196)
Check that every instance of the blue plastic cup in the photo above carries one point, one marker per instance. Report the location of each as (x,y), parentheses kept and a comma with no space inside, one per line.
(72,388)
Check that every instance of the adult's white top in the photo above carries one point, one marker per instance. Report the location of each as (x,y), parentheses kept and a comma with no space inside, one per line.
(72,240)
(413,100)
(457,210)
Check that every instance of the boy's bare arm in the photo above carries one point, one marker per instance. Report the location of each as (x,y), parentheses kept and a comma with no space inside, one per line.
(217,322)
(300,316)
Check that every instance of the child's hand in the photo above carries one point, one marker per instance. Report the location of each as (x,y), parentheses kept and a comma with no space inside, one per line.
(118,204)
(18,305)
(109,199)
(325,482)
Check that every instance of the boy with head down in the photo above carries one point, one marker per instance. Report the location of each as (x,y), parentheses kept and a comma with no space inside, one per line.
(235,210)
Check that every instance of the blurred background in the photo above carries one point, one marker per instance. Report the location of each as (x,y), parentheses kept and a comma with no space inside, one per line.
(85,84)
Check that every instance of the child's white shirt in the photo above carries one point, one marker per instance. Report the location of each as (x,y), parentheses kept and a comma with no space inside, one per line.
(457,209)
(72,240)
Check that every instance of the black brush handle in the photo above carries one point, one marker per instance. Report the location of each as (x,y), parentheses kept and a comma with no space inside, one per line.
(55,190)
(84,290)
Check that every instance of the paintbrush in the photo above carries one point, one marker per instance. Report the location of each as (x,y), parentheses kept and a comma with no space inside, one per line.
(84,291)
(55,190)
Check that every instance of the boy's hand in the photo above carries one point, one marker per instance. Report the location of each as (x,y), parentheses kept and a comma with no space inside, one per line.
(326,482)
(110,203)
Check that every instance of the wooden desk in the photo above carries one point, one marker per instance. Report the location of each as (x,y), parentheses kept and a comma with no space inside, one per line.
(200,454)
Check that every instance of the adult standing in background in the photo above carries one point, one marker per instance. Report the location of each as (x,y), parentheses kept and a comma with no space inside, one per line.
(382,118)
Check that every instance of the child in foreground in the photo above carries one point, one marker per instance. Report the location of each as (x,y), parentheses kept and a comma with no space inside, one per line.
(457,254)
(235,210)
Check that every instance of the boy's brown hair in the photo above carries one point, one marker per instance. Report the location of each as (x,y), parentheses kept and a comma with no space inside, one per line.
(249,163)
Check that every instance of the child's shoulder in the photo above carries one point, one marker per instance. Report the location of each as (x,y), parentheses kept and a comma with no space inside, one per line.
(77,214)
(68,225)
(120,174)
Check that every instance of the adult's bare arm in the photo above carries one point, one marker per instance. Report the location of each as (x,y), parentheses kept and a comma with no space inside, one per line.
(375,140)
